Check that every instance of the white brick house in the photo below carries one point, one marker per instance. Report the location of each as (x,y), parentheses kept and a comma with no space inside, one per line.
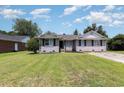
(91,41)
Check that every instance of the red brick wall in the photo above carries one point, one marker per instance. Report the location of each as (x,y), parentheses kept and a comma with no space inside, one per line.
(21,46)
(6,46)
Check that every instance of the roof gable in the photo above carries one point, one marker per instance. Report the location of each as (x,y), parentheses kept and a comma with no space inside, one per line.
(92,35)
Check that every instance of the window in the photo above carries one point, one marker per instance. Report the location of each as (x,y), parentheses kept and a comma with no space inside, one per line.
(54,42)
(97,42)
(46,43)
(101,42)
(92,42)
(79,42)
(85,43)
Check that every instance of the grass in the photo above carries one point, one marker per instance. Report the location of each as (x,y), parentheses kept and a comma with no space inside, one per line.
(59,69)
(120,52)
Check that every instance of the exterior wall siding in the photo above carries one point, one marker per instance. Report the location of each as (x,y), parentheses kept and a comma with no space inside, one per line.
(21,46)
(49,49)
(90,48)
(79,48)
(7,46)
(68,46)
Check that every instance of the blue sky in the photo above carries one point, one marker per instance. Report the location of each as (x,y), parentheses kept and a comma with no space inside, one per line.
(65,19)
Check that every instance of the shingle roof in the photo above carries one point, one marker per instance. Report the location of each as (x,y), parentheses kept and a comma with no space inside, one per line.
(73,37)
(48,36)
(14,38)
(68,37)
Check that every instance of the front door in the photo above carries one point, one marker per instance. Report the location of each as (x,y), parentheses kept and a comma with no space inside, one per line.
(74,45)
(16,46)
(61,45)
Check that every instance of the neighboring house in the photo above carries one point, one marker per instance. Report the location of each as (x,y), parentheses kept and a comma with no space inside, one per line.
(12,43)
(91,41)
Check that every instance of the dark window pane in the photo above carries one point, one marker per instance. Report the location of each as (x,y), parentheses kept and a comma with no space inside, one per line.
(79,42)
(85,43)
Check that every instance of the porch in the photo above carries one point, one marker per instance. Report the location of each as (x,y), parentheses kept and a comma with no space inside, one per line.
(82,45)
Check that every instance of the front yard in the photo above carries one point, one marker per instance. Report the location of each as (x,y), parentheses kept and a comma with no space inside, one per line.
(60,69)
(120,52)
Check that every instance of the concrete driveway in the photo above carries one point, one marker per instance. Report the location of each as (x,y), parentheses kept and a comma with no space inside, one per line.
(110,55)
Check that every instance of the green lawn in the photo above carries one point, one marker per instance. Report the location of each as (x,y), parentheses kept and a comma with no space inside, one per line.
(60,69)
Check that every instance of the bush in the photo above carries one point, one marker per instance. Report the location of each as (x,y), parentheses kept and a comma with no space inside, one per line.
(33,45)
(117,42)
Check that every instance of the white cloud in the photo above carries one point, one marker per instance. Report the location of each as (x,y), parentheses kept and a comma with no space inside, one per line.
(99,17)
(95,17)
(72,9)
(117,23)
(11,13)
(40,13)
(108,8)
(119,16)
(41,16)
(78,20)
(87,7)
(66,24)
(107,19)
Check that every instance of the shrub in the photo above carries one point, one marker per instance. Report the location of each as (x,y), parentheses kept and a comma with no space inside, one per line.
(33,45)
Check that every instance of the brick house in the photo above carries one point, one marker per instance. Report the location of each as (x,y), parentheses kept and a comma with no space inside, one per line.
(12,43)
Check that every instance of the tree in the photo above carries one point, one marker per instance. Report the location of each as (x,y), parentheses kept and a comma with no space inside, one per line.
(101,31)
(33,45)
(98,29)
(117,42)
(89,28)
(50,33)
(12,33)
(94,27)
(25,27)
(3,32)
(64,34)
(8,33)
(75,32)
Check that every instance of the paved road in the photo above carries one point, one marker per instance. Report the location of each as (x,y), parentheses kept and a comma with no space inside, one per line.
(110,55)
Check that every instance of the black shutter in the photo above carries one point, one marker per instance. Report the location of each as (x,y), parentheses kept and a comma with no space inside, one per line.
(43,42)
(85,44)
(79,42)
(92,42)
(54,42)
(101,42)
